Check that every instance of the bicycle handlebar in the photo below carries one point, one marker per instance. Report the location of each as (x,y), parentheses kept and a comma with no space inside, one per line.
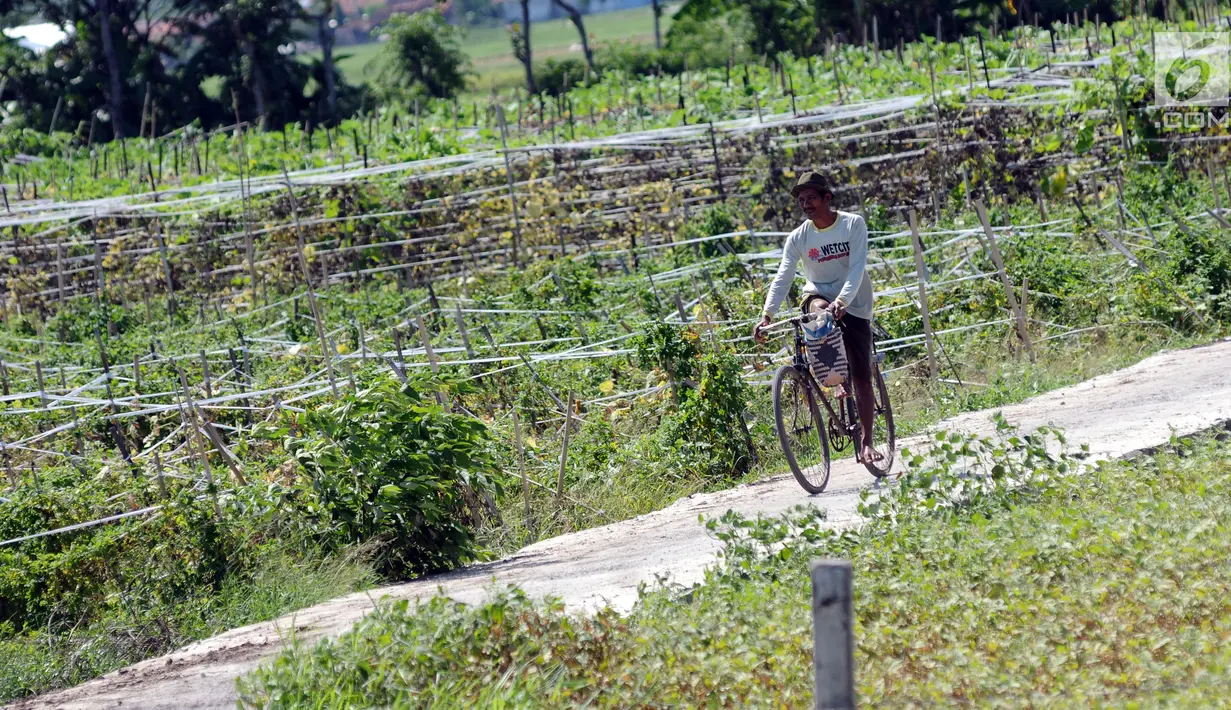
(782,324)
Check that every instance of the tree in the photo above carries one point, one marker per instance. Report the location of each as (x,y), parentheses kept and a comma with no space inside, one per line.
(249,43)
(574,15)
(777,25)
(115,93)
(657,7)
(325,25)
(424,55)
(106,65)
(519,34)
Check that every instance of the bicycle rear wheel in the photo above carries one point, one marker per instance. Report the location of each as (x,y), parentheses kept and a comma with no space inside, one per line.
(882,428)
(801,430)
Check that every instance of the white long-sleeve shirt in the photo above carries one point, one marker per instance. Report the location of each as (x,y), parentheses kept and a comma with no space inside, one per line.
(835,261)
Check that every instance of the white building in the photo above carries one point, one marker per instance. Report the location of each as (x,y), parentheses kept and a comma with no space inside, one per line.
(37,38)
(541,10)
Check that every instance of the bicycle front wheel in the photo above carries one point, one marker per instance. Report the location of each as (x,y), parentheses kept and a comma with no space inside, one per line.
(801,430)
(882,429)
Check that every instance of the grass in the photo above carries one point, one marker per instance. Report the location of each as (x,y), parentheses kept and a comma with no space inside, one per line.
(40,662)
(1109,589)
(492,54)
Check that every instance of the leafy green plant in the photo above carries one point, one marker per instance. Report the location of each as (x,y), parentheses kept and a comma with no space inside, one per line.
(711,416)
(385,464)
(671,350)
(554,76)
(424,55)
(717,219)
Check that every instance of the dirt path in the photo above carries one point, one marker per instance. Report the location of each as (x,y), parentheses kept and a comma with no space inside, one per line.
(1115,414)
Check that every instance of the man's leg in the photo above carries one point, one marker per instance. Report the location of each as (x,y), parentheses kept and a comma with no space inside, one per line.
(857,334)
(866,404)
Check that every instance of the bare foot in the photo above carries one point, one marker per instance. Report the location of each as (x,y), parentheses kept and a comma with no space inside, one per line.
(870,455)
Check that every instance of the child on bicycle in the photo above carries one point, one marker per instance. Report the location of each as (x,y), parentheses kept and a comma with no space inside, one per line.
(833,247)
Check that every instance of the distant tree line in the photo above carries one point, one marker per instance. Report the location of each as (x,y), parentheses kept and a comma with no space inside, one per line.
(136,67)
(803,27)
(711,33)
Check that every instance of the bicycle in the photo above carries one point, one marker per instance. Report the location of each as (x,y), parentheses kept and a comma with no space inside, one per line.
(805,435)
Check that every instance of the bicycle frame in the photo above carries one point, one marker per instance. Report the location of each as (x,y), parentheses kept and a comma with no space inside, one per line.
(841,424)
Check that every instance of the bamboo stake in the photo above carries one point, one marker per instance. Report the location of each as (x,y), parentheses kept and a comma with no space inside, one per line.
(195,435)
(162,484)
(508,171)
(42,391)
(920,270)
(166,269)
(568,429)
(521,467)
(326,351)
(431,357)
(1018,316)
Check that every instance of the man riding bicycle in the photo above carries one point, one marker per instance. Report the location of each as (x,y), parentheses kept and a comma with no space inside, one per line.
(833,246)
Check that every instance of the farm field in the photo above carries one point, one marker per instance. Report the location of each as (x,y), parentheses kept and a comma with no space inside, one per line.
(492,55)
(1105,591)
(226,353)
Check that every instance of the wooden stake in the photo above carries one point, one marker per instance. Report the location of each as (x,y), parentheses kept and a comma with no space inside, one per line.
(166,269)
(461,329)
(1209,169)
(100,284)
(568,429)
(521,467)
(162,484)
(195,434)
(60,273)
(72,410)
(209,390)
(431,357)
(326,351)
(1018,316)
(921,277)
(983,53)
(42,391)
(722,193)
(215,438)
(508,171)
(679,306)
(833,634)
(8,466)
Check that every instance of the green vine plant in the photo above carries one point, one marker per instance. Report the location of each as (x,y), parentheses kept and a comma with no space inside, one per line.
(973,472)
(389,464)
